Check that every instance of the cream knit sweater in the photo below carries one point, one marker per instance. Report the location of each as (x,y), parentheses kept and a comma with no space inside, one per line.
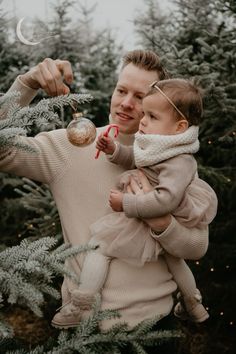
(80,185)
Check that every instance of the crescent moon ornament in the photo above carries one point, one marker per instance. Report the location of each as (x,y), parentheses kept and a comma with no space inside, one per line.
(20,35)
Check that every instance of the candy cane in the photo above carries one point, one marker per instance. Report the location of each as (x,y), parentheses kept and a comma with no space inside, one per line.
(106,133)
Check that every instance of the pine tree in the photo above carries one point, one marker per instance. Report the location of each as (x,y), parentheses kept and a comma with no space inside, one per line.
(93,54)
(26,271)
(197,41)
(96,71)
(13,58)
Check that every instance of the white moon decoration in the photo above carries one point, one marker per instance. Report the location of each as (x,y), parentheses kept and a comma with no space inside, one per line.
(20,35)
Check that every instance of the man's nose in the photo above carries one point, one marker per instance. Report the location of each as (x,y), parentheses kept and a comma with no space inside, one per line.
(128,102)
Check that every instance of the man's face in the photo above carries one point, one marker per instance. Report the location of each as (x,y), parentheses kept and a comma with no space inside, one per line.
(126,103)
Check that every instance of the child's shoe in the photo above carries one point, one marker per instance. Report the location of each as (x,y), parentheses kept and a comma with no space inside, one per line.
(191,308)
(70,313)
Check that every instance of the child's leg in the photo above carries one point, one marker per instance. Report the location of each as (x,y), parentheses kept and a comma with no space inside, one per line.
(191,296)
(93,276)
(94,272)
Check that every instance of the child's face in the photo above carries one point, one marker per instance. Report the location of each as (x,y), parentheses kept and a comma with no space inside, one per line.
(158,116)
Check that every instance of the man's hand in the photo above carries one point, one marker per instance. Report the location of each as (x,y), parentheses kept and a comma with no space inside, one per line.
(50,75)
(158,224)
(115,200)
(105,144)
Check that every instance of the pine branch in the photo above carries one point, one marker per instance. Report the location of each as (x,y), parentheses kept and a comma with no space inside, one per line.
(19,121)
(87,338)
(27,271)
(38,199)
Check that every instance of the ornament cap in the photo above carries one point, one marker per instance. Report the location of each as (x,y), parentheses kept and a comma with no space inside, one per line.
(77,115)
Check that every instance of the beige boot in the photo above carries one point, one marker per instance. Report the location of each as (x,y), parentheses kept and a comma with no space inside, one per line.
(70,313)
(191,308)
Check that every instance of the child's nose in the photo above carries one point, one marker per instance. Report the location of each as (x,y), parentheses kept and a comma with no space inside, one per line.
(143,120)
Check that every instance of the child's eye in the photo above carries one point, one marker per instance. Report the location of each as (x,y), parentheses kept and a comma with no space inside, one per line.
(152,116)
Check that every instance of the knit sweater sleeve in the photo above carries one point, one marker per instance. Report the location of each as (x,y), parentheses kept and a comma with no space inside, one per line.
(183,242)
(27,93)
(123,156)
(174,175)
(47,164)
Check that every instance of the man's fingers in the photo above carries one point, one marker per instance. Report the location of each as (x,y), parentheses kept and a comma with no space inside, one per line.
(129,190)
(146,186)
(135,187)
(49,79)
(38,80)
(64,67)
(51,74)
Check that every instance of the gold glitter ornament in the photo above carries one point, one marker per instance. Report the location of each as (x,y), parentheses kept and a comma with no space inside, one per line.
(81,131)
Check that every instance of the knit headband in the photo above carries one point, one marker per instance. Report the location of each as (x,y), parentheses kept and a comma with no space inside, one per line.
(154,84)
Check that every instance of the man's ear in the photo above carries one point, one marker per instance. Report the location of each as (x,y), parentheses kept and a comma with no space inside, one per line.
(181,126)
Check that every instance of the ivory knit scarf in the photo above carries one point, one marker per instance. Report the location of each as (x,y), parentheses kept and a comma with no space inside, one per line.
(150,149)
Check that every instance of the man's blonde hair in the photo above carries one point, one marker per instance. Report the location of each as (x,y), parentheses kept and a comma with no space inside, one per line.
(147,60)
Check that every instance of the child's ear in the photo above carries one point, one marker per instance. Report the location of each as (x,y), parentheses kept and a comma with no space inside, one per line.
(182,125)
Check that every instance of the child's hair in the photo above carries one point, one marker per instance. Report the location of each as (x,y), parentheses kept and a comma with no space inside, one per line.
(147,60)
(185,95)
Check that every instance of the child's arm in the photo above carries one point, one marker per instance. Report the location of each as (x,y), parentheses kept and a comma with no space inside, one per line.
(105,144)
(174,177)
(117,153)
(176,239)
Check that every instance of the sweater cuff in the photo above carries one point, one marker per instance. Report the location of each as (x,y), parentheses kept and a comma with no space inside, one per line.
(112,158)
(167,234)
(130,206)
(27,93)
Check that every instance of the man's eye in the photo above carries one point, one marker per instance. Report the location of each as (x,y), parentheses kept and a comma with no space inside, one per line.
(120,91)
(139,97)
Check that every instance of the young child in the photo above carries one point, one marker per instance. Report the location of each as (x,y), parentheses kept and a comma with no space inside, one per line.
(163,148)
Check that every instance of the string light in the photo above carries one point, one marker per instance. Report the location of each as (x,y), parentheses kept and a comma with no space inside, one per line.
(231,323)
(222,313)
(209,141)
(212,269)
(197,262)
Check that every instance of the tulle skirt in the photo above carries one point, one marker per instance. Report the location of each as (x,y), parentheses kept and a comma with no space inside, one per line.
(130,239)
(125,238)
(199,205)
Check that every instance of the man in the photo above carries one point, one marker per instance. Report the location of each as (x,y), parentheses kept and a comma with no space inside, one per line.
(80,186)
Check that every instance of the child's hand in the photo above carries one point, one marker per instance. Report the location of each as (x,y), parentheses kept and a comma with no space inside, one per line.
(105,144)
(115,200)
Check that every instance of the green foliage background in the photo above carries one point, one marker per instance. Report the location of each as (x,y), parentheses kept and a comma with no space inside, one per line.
(197,40)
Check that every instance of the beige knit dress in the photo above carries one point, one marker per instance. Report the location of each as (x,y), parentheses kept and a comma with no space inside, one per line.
(124,235)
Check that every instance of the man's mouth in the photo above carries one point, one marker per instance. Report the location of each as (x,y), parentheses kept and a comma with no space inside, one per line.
(141,132)
(123,116)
